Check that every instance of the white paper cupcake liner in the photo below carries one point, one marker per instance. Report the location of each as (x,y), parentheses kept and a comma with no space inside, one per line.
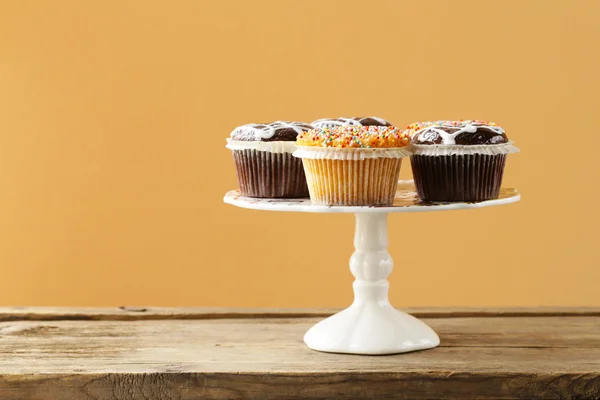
(271,147)
(369,182)
(356,154)
(455,149)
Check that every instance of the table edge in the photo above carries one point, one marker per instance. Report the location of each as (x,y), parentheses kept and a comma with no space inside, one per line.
(202,313)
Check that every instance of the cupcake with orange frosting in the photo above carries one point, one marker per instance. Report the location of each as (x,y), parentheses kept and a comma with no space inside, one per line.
(352,165)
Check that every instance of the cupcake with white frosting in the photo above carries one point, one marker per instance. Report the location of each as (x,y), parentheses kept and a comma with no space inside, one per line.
(454,161)
(263,158)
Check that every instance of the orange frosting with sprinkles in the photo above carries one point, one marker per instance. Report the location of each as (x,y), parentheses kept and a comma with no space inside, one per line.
(362,137)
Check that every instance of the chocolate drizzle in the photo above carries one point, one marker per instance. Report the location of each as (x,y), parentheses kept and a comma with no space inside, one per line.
(465,133)
(353,121)
(271,132)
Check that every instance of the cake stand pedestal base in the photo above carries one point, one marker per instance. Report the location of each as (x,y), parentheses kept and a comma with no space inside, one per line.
(371,325)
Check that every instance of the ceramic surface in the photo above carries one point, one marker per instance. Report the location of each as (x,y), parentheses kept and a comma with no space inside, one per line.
(406,200)
(371,325)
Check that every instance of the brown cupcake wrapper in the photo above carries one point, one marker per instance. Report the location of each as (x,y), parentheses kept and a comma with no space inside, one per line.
(269,175)
(369,182)
(453,178)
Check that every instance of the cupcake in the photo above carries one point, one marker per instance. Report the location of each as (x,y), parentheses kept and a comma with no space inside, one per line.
(363,121)
(352,165)
(458,160)
(263,159)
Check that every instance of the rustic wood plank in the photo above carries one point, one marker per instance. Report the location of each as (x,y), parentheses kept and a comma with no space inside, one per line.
(347,386)
(555,332)
(204,353)
(239,346)
(157,313)
(480,357)
(150,313)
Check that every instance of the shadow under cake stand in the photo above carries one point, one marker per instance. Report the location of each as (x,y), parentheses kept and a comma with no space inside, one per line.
(371,325)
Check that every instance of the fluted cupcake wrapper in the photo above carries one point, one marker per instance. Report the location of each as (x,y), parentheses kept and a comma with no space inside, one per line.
(368,182)
(452,178)
(269,175)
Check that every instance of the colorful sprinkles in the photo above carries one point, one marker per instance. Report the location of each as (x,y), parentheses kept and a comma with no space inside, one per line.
(418,126)
(363,137)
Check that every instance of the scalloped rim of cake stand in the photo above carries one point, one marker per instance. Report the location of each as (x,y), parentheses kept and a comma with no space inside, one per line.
(405,195)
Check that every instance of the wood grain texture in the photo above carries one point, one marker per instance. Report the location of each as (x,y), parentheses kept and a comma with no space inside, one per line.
(490,356)
(127,313)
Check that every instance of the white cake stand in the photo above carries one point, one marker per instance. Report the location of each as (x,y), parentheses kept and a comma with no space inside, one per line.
(370,325)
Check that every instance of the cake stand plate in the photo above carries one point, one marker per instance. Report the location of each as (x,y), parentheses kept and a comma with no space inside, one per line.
(370,325)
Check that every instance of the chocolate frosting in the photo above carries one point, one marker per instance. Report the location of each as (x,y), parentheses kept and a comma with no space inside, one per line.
(470,134)
(354,121)
(271,132)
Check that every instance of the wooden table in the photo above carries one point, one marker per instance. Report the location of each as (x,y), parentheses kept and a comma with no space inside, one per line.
(138,353)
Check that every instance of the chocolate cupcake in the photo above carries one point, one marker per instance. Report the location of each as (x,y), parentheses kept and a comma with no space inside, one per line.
(263,158)
(362,121)
(454,161)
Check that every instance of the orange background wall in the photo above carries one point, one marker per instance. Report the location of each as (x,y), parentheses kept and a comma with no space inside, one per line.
(114,114)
